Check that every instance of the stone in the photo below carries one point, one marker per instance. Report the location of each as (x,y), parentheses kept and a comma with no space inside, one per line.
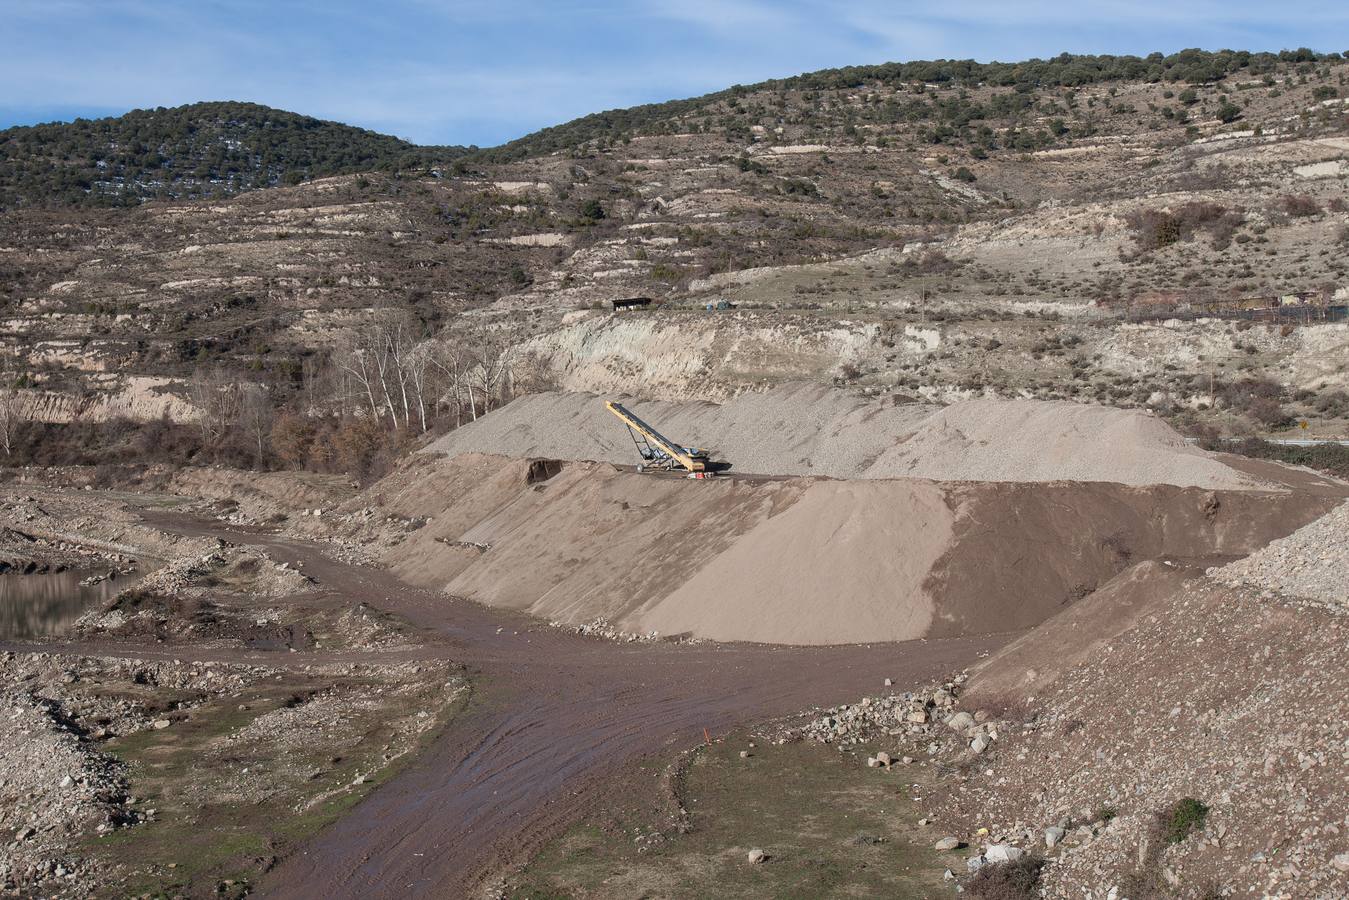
(889,683)
(947,843)
(1003,853)
(756,856)
(1053,834)
(744,754)
(1340,862)
(917,716)
(980,743)
(883,758)
(161,724)
(873,762)
(960,721)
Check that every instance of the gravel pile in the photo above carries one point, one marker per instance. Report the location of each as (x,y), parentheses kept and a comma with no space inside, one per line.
(1312,563)
(53,788)
(809,429)
(1217,697)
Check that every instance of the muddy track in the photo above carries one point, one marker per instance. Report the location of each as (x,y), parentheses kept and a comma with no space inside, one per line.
(554,719)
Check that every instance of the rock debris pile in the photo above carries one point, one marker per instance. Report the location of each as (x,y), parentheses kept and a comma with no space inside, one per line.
(1312,563)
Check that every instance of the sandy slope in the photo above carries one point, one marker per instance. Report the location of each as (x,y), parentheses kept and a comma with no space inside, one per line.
(799,560)
(806,429)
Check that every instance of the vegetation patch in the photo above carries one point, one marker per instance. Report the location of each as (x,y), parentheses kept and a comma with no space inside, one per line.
(1184,817)
(826,826)
(1015,880)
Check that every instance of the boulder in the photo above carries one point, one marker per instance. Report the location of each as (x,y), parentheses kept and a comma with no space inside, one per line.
(1003,853)
(947,843)
(960,721)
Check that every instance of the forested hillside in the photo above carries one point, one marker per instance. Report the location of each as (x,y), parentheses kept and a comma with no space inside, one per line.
(201,150)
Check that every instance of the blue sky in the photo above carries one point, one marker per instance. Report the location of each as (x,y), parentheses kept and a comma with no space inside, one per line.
(444,71)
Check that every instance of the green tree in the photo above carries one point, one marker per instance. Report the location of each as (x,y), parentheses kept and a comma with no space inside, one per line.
(592,210)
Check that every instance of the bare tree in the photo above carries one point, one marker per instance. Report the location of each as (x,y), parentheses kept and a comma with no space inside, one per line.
(217,398)
(358,364)
(417,363)
(493,369)
(255,419)
(16,409)
(451,358)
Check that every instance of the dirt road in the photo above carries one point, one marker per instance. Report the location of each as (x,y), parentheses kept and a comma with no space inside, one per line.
(554,719)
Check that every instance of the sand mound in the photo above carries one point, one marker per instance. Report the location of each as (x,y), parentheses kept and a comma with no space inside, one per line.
(1031,440)
(814,430)
(798,429)
(797,560)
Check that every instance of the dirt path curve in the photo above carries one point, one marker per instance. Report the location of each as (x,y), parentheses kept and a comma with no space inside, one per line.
(554,717)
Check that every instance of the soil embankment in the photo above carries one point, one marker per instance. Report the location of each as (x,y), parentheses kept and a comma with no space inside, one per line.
(800,560)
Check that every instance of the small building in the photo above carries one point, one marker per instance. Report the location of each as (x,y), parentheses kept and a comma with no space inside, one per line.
(632,303)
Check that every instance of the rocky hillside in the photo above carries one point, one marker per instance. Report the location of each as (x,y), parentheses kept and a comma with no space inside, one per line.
(1080,228)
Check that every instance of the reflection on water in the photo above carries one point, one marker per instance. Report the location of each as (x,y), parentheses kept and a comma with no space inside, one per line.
(45,605)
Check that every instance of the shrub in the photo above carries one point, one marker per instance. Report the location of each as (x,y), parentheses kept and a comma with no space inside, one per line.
(1016,880)
(1154,229)
(1299,205)
(1229,112)
(964,174)
(592,210)
(1183,818)
(1331,458)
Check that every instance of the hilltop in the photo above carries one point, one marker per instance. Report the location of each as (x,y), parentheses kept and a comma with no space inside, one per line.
(214,149)
(200,150)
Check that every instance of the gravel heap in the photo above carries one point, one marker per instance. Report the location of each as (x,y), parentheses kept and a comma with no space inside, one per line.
(1219,695)
(1312,563)
(809,429)
(53,788)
